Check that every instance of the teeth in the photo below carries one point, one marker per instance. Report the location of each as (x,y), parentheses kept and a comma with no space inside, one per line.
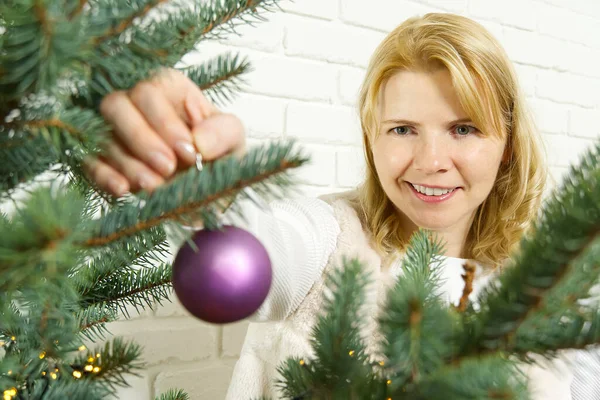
(431,191)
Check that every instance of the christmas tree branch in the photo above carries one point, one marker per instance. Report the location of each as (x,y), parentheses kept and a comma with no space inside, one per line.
(417,326)
(34,29)
(136,10)
(219,77)
(93,319)
(181,29)
(110,364)
(541,273)
(39,244)
(340,355)
(77,10)
(486,377)
(174,394)
(134,287)
(220,180)
(33,159)
(143,250)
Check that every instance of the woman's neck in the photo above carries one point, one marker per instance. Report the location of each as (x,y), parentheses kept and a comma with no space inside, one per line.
(453,238)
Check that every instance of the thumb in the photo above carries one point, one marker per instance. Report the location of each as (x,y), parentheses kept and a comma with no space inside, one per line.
(219,135)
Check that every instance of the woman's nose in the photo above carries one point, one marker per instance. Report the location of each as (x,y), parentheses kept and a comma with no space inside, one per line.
(431,155)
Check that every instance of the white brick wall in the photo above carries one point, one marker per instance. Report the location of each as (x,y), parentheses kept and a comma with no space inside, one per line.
(309,61)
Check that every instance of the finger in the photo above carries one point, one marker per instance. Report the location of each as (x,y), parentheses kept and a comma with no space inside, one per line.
(162,117)
(140,176)
(106,177)
(132,130)
(219,135)
(177,87)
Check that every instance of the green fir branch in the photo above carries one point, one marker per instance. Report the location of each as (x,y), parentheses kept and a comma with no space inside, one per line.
(417,325)
(39,243)
(143,250)
(490,377)
(39,43)
(176,34)
(68,389)
(116,360)
(545,260)
(174,394)
(93,319)
(200,195)
(219,78)
(340,356)
(548,330)
(137,288)
(155,44)
(22,162)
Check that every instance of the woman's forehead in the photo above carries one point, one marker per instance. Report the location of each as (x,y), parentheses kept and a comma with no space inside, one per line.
(419,95)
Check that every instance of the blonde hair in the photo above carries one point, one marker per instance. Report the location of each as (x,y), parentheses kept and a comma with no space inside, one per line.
(488,90)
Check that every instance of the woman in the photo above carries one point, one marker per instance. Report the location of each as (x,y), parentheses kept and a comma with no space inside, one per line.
(449,145)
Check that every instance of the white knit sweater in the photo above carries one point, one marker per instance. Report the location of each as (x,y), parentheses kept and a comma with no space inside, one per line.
(303,237)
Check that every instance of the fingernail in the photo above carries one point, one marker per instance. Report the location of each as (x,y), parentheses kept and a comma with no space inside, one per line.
(117,187)
(162,163)
(146,181)
(186,150)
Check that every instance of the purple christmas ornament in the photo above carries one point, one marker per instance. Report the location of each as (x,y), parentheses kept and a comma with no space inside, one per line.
(227,279)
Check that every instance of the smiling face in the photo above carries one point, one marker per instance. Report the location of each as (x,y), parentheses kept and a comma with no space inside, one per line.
(426,143)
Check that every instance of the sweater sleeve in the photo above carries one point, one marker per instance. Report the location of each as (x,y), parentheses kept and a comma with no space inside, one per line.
(299,235)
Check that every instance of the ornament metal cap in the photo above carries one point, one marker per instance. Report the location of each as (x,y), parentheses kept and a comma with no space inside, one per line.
(198,160)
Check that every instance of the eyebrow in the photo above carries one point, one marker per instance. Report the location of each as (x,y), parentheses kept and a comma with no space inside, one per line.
(409,122)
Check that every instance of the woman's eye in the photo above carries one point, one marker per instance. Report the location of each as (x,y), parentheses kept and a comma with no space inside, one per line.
(401,130)
(465,129)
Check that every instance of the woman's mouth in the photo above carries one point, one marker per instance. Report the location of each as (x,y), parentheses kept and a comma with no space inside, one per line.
(432,194)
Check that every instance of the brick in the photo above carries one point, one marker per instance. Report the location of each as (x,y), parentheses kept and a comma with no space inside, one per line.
(140,387)
(584,122)
(233,338)
(326,9)
(456,6)
(564,151)
(504,12)
(382,15)
(206,380)
(331,42)
(568,88)
(550,117)
(188,339)
(350,80)
(262,116)
(580,27)
(172,308)
(261,35)
(321,169)
(293,78)
(529,48)
(493,27)
(350,166)
(585,7)
(276,75)
(580,59)
(527,76)
(323,123)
